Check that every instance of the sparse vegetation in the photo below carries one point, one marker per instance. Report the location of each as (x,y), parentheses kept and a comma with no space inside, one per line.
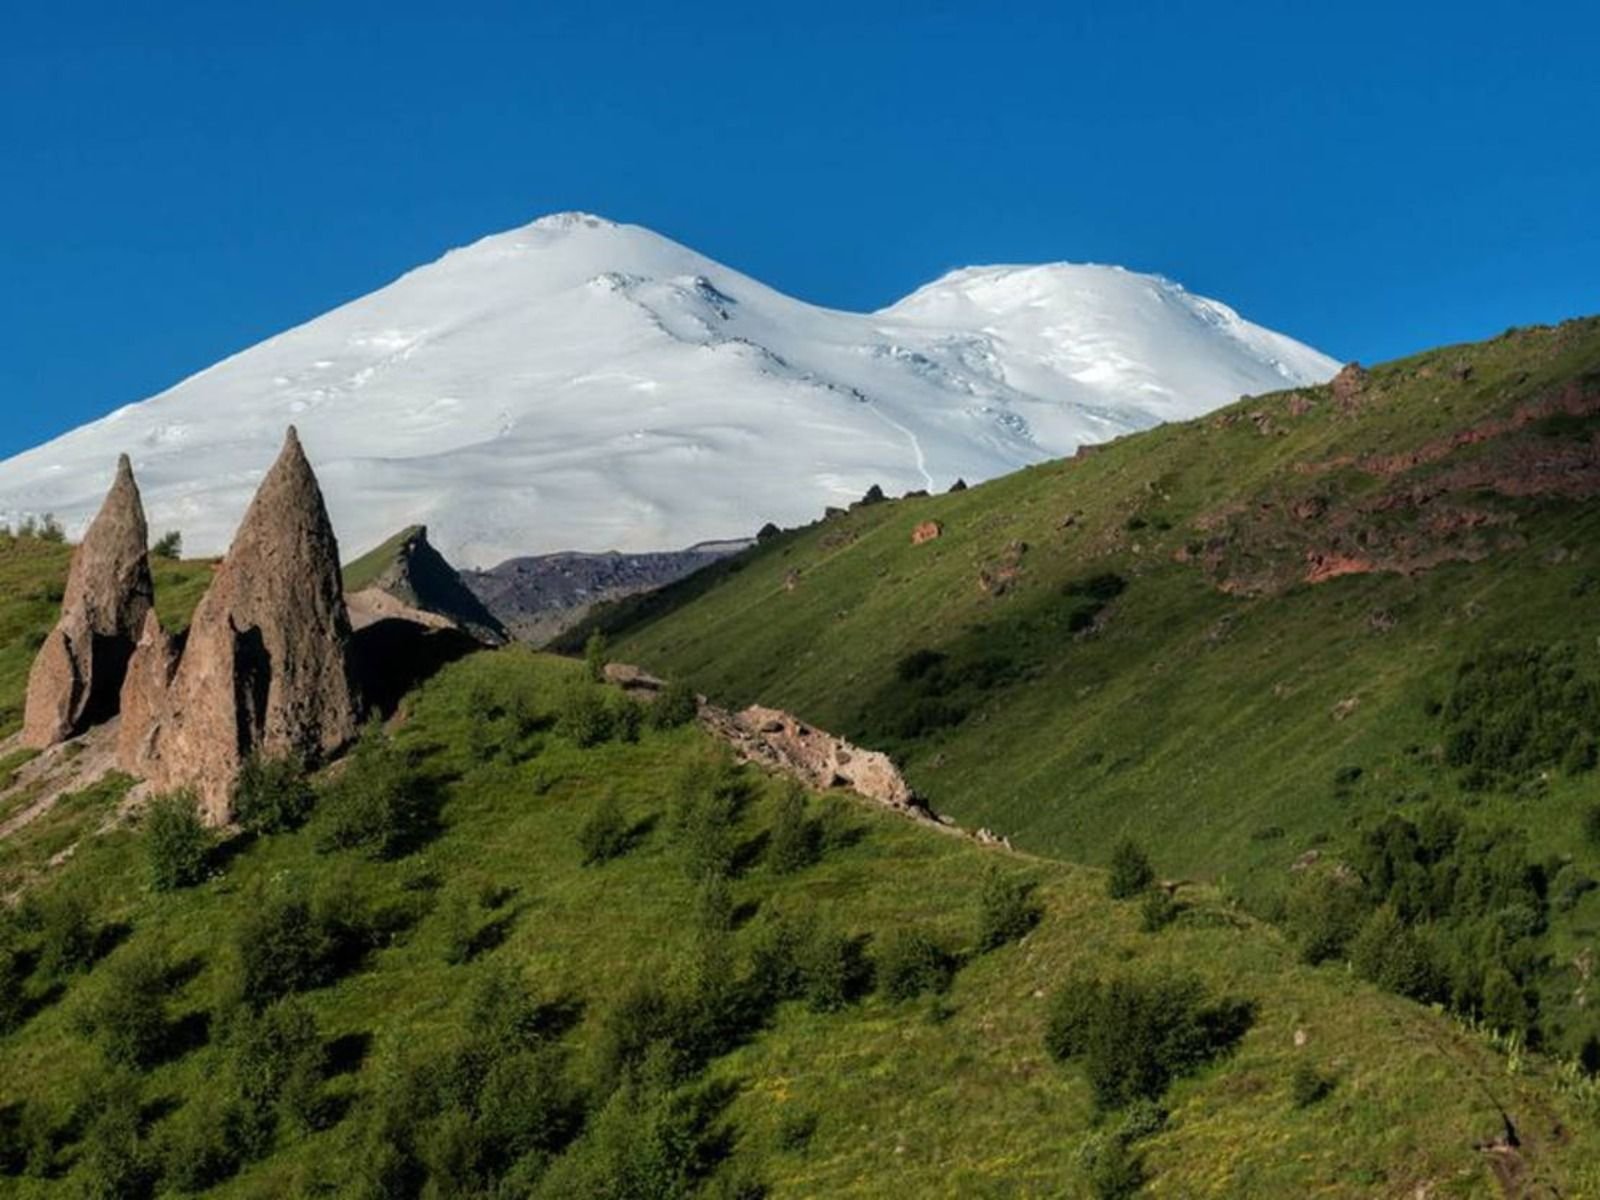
(177,843)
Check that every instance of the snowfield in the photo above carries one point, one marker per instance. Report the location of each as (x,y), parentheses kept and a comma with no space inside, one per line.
(581,385)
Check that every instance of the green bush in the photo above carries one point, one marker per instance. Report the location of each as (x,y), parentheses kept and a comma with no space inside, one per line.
(1158,910)
(168,545)
(1006,911)
(378,802)
(13,975)
(911,963)
(116,1162)
(1111,1167)
(1591,825)
(704,814)
(69,937)
(277,1060)
(676,705)
(1395,956)
(1131,872)
(594,657)
(1322,913)
(459,928)
(177,843)
(282,948)
(1515,712)
(835,970)
(128,1015)
(1307,1085)
(794,841)
(777,956)
(200,1147)
(272,795)
(1135,1035)
(603,835)
(585,716)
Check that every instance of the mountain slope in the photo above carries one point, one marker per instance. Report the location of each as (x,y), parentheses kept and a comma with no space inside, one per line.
(851,1099)
(1243,640)
(576,384)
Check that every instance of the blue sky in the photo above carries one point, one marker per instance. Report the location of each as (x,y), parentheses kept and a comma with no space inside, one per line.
(180,180)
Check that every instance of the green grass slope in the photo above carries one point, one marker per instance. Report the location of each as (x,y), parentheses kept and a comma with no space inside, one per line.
(950,1095)
(1155,638)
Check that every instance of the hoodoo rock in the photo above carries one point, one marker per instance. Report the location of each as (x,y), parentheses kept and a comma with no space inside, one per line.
(144,692)
(78,673)
(266,668)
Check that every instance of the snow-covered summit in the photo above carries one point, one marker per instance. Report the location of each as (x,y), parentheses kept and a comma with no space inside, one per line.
(580,384)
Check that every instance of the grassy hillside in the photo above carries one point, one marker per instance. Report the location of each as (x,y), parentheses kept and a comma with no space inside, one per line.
(364,571)
(1235,639)
(948,1094)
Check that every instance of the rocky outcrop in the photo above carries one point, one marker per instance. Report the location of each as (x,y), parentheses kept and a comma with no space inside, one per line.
(144,691)
(266,666)
(78,673)
(780,741)
(926,531)
(419,579)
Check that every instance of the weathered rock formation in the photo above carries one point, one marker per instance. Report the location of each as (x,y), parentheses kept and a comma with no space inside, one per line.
(78,673)
(927,531)
(417,578)
(266,665)
(780,741)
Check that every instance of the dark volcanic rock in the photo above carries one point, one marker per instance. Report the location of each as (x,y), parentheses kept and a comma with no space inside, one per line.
(539,598)
(77,675)
(266,667)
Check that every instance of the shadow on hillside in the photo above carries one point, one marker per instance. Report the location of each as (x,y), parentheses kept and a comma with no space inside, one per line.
(393,656)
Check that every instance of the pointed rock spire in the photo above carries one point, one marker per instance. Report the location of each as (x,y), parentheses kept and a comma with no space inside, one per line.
(78,674)
(265,668)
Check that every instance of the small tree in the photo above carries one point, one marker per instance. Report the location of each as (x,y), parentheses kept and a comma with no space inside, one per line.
(1006,911)
(378,803)
(594,656)
(282,949)
(50,529)
(177,843)
(272,795)
(912,963)
(69,938)
(604,835)
(168,545)
(793,845)
(835,970)
(1131,872)
(676,705)
(129,1014)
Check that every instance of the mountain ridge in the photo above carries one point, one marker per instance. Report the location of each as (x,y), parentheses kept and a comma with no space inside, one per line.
(578,384)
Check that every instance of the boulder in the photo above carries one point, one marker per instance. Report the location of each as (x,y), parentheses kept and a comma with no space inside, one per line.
(77,675)
(266,666)
(926,532)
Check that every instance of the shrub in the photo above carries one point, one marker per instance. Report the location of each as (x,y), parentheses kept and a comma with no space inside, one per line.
(13,976)
(50,529)
(1307,1085)
(795,1130)
(794,842)
(276,1061)
(1394,956)
(594,657)
(676,705)
(1505,1006)
(1591,825)
(1006,911)
(69,940)
(1158,910)
(116,1162)
(1136,1035)
(1517,711)
(776,971)
(177,843)
(1131,871)
(128,1015)
(584,717)
(201,1147)
(1113,1170)
(168,545)
(912,963)
(272,795)
(1569,886)
(378,802)
(282,949)
(1322,914)
(604,834)
(704,817)
(836,972)
(459,928)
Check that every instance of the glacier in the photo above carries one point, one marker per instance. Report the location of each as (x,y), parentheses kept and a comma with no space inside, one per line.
(577,384)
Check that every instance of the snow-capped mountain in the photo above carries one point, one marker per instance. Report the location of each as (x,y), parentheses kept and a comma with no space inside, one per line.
(578,384)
